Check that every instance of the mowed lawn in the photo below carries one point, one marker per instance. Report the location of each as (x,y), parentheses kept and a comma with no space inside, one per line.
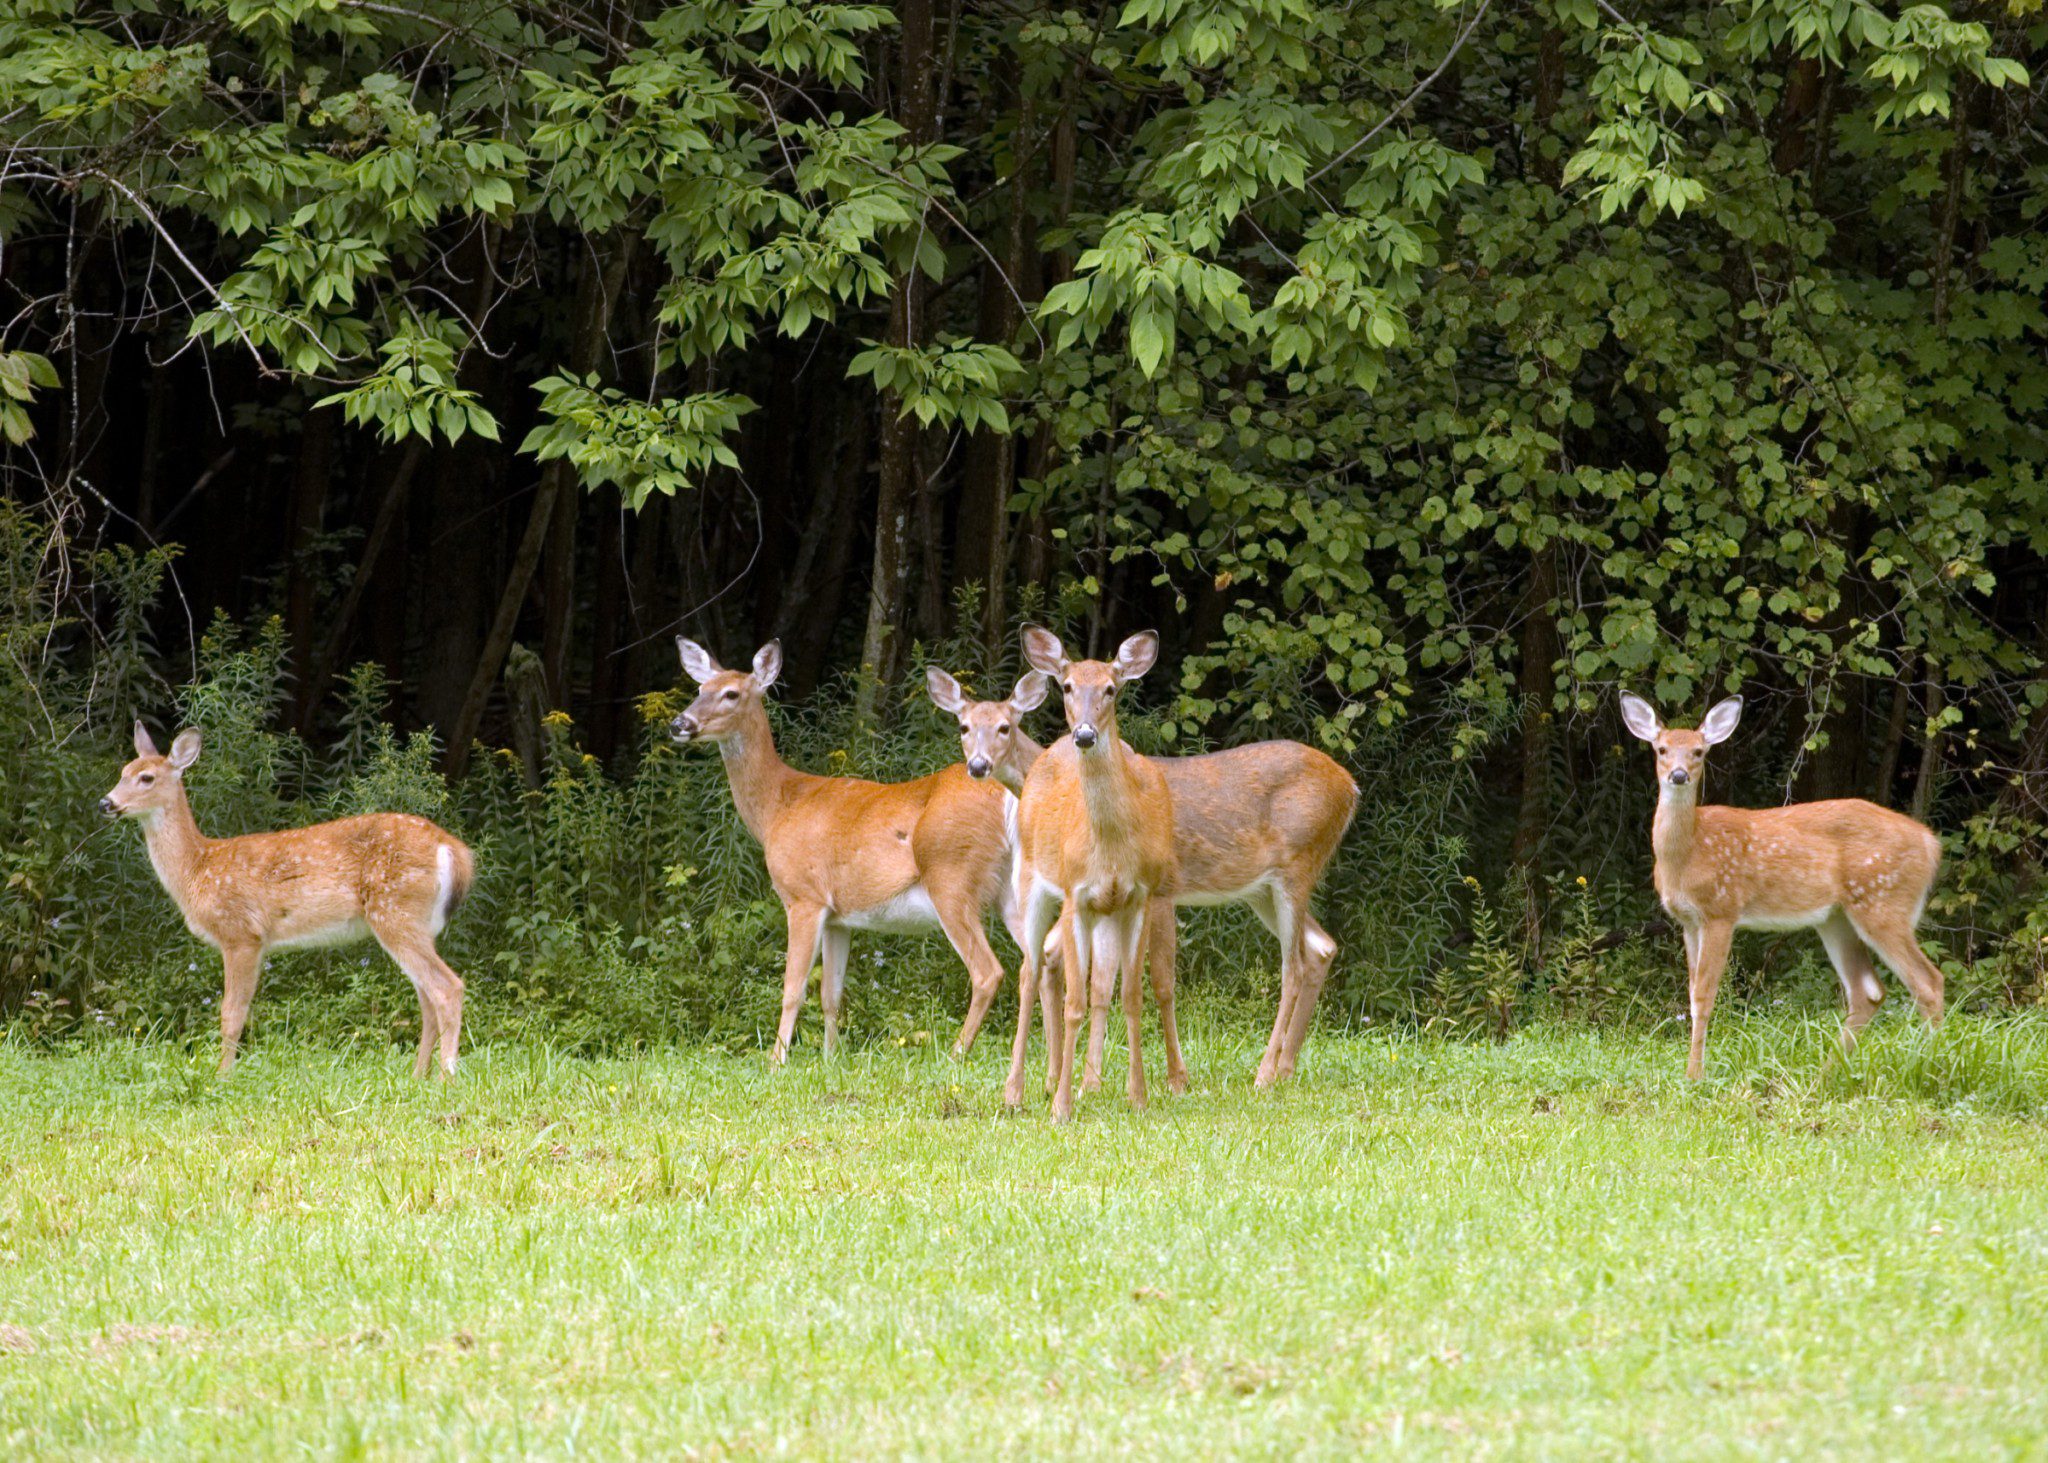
(1539,1248)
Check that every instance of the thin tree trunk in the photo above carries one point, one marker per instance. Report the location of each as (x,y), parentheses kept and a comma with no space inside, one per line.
(390,511)
(1930,746)
(898,485)
(309,505)
(597,296)
(606,630)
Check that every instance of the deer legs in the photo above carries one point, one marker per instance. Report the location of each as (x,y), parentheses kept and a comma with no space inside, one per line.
(1707,949)
(240,965)
(806,926)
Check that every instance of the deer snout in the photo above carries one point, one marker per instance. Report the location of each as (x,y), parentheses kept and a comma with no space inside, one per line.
(684,728)
(1084,736)
(1680,777)
(107,806)
(977,767)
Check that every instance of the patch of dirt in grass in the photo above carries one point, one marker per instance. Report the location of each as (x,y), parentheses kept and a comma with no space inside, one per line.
(16,1340)
(122,1335)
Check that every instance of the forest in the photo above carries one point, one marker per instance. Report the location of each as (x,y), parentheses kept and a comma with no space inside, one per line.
(385,383)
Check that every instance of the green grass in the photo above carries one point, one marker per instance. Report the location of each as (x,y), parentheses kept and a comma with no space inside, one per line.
(1549,1247)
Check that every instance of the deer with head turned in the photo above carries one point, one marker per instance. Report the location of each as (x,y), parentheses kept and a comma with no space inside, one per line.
(1253,825)
(1857,873)
(391,876)
(1095,848)
(845,854)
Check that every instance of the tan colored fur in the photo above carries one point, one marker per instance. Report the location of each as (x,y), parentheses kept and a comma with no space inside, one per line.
(841,850)
(1254,825)
(383,875)
(1095,838)
(1857,873)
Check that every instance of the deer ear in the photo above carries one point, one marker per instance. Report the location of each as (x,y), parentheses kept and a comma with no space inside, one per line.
(1030,691)
(768,664)
(144,746)
(1637,716)
(697,660)
(1043,650)
(185,749)
(1137,655)
(945,691)
(1720,722)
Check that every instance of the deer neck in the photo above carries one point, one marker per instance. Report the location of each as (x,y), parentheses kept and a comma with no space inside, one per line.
(1671,831)
(1109,793)
(176,846)
(1017,766)
(755,770)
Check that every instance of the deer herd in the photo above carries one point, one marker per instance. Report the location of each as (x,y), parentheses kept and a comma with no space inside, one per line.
(1083,848)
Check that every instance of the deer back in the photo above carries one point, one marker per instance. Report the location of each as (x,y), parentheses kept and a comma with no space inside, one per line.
(1250,812)
(304,885)
(1788,865)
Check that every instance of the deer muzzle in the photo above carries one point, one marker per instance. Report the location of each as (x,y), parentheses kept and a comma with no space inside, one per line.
(1084,736)
(683,728)
(977,767)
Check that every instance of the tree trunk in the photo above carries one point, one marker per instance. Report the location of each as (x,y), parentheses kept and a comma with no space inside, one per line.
(597,296)
(390,513)
(309,505)
(898,483)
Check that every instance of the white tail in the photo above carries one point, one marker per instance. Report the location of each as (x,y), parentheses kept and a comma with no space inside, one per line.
(1253,825)
(845,854)
(1095,837)
(1857,873)
(388,875)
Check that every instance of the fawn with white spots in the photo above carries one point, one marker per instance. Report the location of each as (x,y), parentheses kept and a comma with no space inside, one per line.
(1095,843)
(1252,825)
(390,876)
(1858,873)
(845,854)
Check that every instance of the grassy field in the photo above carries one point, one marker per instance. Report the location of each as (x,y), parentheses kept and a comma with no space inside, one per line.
(1547,1247)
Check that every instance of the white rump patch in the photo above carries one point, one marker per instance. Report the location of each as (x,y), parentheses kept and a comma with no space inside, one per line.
(911,910)
(444,875)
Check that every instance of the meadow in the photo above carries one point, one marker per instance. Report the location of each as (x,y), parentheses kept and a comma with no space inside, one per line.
(1550,1245)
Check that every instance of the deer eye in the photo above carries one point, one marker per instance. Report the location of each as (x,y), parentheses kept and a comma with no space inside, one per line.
(147,778)
(732,695)
(1002,731)
(1068,687)
(965,728)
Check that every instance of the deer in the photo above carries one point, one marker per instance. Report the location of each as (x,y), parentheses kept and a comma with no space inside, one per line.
(1253,825)
(391,877)
(846,854)
(1857,873)
(1096,854)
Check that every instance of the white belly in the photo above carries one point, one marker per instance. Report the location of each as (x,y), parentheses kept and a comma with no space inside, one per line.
(909,911)
(1798,920)
(345,932)
(1204,898)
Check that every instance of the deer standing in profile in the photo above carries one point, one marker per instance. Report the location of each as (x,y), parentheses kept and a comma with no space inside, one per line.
(391,876)
(845,854)
(1253,825)
(1857,873)
(1095,844)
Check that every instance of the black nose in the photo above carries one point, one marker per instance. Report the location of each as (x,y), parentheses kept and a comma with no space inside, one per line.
(1084,737)
(683,728)
(977,767)
(1680,777)
(107,804)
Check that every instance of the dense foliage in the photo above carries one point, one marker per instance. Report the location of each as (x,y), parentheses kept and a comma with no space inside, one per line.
(1426,370)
